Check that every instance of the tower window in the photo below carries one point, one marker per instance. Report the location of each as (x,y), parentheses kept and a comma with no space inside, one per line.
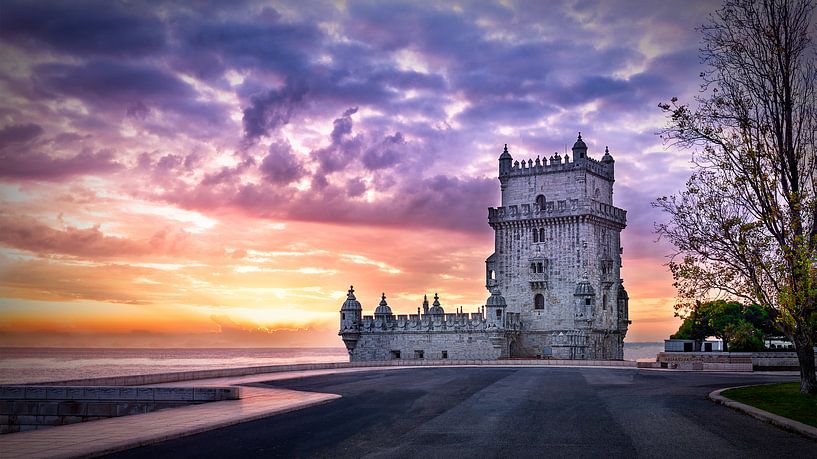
(539,268)
(498,313)
(540,201)
(539,301)
(533,267)
(535,235)
(541,235)
(587,301)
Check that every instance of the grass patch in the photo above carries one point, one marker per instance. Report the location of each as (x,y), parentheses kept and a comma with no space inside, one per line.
(781,399)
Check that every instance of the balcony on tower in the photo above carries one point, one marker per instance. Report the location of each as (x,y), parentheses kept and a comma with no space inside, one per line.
(538,272)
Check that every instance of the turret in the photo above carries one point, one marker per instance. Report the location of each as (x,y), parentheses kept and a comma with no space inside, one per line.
(350,320)
(505,162)
(436,309)
(585,302)
(383,310)
(350,312)
(495,309)
(579,149)
(607,158)
(425,304)
(623,303)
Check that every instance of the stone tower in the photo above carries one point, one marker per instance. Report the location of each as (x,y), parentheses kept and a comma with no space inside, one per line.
(557,255)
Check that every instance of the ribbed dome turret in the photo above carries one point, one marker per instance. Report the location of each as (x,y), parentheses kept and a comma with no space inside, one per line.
(607,158)
(496,300)
(505,154)
(351,303)
(579,148)
(436,309)
(383,308)
(584,288)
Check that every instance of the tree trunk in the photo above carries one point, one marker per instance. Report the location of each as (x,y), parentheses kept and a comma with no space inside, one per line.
(805,357)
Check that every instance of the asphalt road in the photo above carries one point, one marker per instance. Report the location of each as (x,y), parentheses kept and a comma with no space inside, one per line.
(503,412)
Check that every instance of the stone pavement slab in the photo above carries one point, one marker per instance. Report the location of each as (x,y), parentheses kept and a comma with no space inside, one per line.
(116,434)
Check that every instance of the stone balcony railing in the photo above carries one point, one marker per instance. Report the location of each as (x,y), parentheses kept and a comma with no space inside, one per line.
(552,209)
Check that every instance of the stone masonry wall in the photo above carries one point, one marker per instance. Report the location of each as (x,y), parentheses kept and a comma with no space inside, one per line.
(459,345)
(575,248)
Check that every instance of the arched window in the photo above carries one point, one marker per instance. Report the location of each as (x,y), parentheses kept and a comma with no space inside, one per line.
(539,301)
(541,235)
(535,235)
(540,201)
(539,268)
(533,267)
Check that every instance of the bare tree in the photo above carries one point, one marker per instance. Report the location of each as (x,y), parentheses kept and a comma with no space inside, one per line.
(745,227)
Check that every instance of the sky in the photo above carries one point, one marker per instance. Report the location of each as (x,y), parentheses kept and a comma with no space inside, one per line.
(194,173)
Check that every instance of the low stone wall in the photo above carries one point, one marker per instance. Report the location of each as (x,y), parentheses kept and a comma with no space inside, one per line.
(725,361)
(32,407)
(720,361)
(771,361)
(161,378)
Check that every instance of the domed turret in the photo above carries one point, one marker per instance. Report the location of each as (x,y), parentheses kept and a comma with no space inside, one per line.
(607,158)
(350,315)
(623,301)
(579,148)
(436,309)
(585,302)
(496,300)
(351,303)
(505,161)
(383,309)
(495,308)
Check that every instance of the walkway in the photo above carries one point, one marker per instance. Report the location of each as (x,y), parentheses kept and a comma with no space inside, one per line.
(116,434)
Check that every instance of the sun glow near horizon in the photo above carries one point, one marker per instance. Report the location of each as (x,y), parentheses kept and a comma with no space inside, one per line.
(182,190)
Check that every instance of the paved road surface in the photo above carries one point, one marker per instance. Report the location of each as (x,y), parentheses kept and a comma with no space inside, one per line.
(503,412)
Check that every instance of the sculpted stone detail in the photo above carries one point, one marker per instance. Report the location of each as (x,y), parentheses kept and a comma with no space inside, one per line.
(554,279)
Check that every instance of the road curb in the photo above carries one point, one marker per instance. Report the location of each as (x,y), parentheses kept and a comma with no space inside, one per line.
(765,416)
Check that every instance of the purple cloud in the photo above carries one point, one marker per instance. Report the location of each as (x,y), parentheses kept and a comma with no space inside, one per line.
(19,133)
(280,165)
(22,164)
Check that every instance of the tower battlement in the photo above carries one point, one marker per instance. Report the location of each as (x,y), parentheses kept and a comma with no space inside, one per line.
(557,165)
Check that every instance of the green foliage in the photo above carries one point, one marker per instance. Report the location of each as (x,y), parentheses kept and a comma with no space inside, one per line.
(744,337)
(741,327)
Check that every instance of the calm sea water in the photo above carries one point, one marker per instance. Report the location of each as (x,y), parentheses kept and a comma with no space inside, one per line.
(30,365)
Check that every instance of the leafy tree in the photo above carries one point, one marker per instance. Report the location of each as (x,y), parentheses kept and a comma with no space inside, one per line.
(722,319)
(745,337)
(745,227)
(696,325)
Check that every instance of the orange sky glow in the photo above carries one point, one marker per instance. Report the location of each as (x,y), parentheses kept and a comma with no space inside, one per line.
(218,178)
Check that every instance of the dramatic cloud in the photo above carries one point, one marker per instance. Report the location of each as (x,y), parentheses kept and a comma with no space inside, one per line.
(370,124)
(27,234)
(26,164)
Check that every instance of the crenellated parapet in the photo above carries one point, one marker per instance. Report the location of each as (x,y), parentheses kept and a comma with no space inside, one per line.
(435,319)
(558,164)
(459,322)
(556,209)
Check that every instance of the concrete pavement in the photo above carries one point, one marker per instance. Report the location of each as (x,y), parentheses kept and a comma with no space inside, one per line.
(501,412)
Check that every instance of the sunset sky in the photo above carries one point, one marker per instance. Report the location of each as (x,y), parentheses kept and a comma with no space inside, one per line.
(193,173)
